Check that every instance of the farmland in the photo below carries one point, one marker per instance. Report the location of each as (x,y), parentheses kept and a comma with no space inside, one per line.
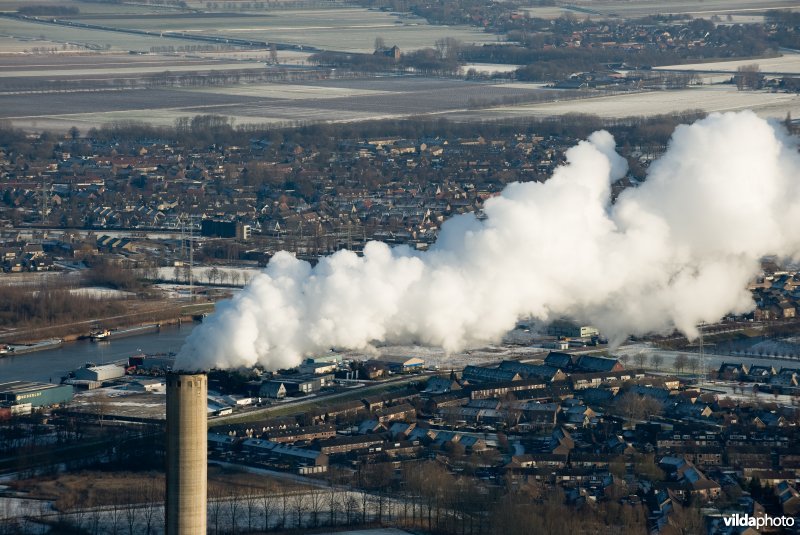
(788,63)
(705,8)
(707,98)
(330,100)
(345,29)
(124,76)
(89,39)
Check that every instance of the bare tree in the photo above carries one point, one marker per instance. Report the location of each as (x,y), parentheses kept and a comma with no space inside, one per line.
(298,504)
(251,504)
(350,508)
(656,360)
(152,499)
(267,503)
(215,507)
(681,360)
(694,365)
(284,506)
(748,77)
(115,512)
(234,501)
(315,500)
(333,504)
(273,54)
(130,508)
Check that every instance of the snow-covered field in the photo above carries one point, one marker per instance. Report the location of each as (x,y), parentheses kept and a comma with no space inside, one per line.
(138,69)
(349,29)
(787,63)
(101,293)
(488,68)
(290,91)
(709,99)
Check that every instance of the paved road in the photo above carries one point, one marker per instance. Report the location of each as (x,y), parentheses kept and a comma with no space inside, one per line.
(302,402)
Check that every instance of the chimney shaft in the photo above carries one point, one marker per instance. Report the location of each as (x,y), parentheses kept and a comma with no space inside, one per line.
(187,431)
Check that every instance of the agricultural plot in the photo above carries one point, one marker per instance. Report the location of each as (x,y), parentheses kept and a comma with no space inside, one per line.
(89,7)
(290,91)
(333,100)
(78,65)
(90,39)
(10,45)
(128,71)
(346,29)
(77,102)
(704,8)
(788,63)
(709,99)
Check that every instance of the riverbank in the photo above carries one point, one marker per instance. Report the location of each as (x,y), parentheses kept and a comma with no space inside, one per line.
(161,312)
(49,366)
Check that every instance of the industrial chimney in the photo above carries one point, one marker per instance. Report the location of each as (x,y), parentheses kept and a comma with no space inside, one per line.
(186,453)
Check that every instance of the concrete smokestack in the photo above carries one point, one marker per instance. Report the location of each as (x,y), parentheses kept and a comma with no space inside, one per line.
(187,429)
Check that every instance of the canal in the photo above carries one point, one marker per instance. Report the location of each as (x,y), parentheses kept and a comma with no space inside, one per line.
(52,364)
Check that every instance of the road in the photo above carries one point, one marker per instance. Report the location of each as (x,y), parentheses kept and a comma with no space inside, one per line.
(712,360)
(297,406)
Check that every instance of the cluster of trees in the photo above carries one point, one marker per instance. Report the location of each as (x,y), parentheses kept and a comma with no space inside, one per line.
(22,306)
(171,49)
(443,59)
(748,77)
(635,407)
(357,62)
(112,275)
(424,496)
(328,136)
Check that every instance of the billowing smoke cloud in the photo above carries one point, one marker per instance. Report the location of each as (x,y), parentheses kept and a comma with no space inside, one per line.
(678,250)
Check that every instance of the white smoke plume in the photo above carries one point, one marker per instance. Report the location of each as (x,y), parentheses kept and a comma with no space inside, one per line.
(678,250)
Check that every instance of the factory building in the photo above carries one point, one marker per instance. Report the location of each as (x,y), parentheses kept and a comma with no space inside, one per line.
(400,364)
(572,330)
(36,394)
(106,372)
(295,384)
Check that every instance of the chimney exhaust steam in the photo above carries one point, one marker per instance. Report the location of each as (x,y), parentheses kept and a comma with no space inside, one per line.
(675,251)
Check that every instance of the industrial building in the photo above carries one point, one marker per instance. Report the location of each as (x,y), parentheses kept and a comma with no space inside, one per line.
(572,330)
(37,394)
(294,384)
(213,228)
(317,367)
(400,364)
(106,372)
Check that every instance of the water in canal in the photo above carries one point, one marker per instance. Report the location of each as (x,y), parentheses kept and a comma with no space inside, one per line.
(50,365)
